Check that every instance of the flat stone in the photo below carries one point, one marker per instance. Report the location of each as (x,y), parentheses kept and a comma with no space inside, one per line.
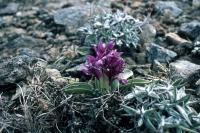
(183,68)
(160,54)
(26,42)
(10,9)
(181,46)
(28,52)
(175,39)
(191,29)
(2,22)
(75,16)
(196,3)
(168,7)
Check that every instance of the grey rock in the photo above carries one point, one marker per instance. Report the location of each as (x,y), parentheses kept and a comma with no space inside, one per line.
(74,17)
(141,58)
(148,33)
(183,68)
(196,3)
(15,70)
(175,39)
(160,54)
(1,21)
(181,46)
(168,7)
(191,30)
(10,9)
(26,42)
(188,71)
(28,52)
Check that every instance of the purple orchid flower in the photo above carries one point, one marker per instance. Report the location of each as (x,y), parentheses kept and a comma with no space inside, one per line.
(107,62)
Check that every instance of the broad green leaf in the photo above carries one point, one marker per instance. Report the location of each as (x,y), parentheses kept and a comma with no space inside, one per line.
(136,82)
(79,88)
(104,84)
(115,84)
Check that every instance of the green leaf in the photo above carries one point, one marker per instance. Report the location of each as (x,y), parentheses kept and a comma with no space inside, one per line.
(79,88)
(187,129)
(184,114)
(104,84)
(84,50)
(115,84)
(149,125)
(178,82)
(153,94)
(130,110)
(136,82)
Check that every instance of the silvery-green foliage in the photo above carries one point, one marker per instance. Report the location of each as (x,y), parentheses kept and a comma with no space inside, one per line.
(112,26)
(196,50)
(162,107)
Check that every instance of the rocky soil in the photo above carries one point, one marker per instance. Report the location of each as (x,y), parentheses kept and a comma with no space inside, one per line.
(41,36)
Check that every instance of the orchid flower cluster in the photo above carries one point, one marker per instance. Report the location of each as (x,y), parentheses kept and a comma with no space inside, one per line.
(107,65)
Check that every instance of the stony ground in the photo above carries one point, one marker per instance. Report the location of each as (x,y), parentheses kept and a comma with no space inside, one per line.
(42,34)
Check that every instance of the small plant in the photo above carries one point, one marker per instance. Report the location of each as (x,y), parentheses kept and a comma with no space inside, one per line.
(196,50)
(162,107)
(107,67)
(117,26)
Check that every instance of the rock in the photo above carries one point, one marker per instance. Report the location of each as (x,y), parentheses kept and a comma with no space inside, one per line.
(148,33)
(74,17)
(10,9)
(160,54)
(55,75)
(53,53)
(28,52)
(38,34)
(158,67)
(191,30)
(136,4)
(188,71)
(104,3)
(141,72)
(2,22)
(175,39)
(26,42)
(196,3)
(130,61)
(160,31)
(141,58)
(168,7)
(182,46)
(16,69)
(184,69)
